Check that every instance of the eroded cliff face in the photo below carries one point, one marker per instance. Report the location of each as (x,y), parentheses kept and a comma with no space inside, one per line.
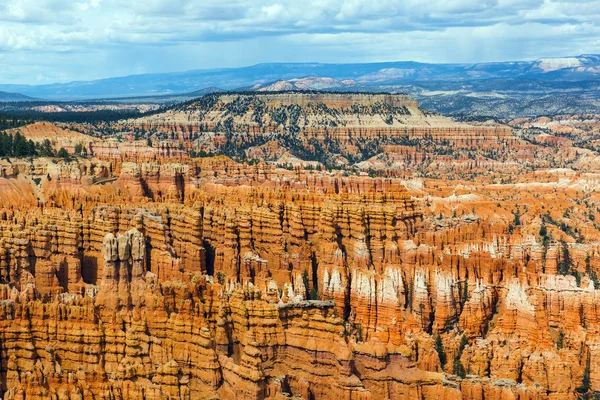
(252,283)
(333,129)
(129,277)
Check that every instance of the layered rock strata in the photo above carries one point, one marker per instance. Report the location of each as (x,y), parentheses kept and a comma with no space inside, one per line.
(154,277)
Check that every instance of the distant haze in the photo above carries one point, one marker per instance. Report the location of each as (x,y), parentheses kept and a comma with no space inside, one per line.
(404,77)
(50,41)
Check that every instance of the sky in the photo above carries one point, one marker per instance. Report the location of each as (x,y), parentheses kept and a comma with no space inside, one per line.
(48,41)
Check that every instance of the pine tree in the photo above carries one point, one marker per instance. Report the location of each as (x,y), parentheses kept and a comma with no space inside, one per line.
(31,149)
(586,382)
(457,368)
(78,148)
(45,149)
(560,340)
(439,347)
(62,153)
(4,146)
(19,145)
(565,262)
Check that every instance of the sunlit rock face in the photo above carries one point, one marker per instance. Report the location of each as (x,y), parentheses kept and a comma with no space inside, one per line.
(149,274)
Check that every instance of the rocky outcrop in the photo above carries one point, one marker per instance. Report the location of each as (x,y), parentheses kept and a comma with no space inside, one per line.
(57,136)
(232,290)
(137,151)
(148,276)
(334,129)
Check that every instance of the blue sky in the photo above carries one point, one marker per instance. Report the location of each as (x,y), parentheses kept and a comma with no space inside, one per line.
(46,41)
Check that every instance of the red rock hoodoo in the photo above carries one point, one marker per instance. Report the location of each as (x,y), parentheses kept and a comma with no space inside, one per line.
(444,260)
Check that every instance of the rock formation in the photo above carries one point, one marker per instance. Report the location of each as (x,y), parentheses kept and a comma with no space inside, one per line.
(131,277)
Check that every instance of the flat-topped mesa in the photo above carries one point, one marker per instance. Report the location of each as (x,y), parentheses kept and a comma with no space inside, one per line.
(331,99)
(310,125)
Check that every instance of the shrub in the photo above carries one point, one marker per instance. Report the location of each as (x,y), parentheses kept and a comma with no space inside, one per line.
(62,153)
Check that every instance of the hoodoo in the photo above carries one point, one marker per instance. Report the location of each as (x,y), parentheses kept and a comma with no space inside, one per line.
(404,256)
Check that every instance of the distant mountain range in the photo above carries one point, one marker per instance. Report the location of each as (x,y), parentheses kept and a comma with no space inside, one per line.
(6,97)
(388,76)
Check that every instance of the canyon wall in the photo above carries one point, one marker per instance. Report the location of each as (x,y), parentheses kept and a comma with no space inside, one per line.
(137,274)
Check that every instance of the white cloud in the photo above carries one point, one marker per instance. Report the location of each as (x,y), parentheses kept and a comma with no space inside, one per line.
(78,33)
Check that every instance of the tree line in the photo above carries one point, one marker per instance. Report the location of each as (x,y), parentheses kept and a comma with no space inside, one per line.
(12,121)
(100,116)
(17,145)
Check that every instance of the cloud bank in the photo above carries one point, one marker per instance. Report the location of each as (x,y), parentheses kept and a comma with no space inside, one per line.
(44,41)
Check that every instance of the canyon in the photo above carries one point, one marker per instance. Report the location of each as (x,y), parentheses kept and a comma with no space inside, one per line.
(302,246)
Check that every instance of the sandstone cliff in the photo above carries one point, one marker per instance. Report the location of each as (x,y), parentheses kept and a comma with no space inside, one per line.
(138,273)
